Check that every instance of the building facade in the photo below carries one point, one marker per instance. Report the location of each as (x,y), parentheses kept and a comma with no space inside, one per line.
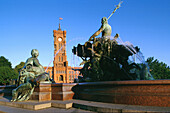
(61,72)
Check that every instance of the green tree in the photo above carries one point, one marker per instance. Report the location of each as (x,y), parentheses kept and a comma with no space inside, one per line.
(5,62)
(7,74)
(159,70)
(19,67)
(6,71)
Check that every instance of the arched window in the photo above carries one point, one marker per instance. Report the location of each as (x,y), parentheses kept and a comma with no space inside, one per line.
(61,59)
(61,78)
(59,45)
(55,47)
(72,77)
(69,77)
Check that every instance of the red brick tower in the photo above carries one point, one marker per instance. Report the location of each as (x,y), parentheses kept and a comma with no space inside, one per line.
(60,61)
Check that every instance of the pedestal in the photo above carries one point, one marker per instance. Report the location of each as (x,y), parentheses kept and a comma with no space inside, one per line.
(42,92)
(62,91)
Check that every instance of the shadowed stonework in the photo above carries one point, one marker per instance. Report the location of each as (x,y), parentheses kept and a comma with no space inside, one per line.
(143,92)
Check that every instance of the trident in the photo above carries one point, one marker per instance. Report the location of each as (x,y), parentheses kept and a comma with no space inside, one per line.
(117,7)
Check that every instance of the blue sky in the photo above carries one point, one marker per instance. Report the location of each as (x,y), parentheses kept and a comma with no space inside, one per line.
(29,24)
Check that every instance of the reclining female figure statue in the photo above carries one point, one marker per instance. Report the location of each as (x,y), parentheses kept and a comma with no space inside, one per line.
(29,77)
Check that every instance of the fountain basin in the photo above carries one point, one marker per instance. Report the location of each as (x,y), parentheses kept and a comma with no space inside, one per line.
(142,92)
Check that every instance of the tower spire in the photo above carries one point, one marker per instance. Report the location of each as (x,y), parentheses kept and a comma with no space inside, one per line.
(59,28)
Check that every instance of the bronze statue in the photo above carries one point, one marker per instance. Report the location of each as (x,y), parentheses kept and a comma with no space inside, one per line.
(106,60)
(33,65)
(30,76)
(105,29)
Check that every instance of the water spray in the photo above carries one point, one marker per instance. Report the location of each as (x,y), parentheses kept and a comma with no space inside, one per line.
(59,51)
(129,47)
(54,56)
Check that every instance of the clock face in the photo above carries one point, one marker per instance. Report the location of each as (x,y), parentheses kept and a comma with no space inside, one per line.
(59,39)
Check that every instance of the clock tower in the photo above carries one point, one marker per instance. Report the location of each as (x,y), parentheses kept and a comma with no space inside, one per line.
(60,61)
(61,72)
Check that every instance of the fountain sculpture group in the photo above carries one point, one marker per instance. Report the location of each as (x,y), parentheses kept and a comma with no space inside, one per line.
(104,59)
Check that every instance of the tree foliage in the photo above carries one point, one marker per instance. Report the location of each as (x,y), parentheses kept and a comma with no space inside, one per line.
(159,70)
(7,74)
(19,67)
(6,71)
(5,62)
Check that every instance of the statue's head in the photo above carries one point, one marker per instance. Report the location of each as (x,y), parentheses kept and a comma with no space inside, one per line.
(34,53)
(104,20)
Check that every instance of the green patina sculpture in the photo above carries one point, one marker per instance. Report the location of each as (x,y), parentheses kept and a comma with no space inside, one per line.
(30,76)
(106,60)
(105,29)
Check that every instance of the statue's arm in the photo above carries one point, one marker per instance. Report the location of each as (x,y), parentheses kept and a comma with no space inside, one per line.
(28,61)
(96,33)
(36,62)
